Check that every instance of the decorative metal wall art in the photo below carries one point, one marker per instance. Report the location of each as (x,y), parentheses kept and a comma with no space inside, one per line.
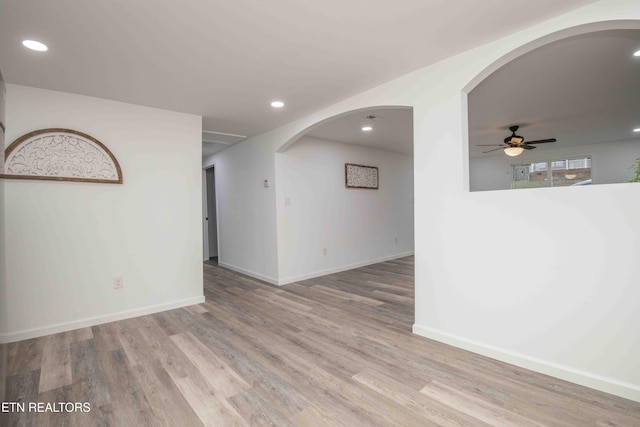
(359,176)
(61,155)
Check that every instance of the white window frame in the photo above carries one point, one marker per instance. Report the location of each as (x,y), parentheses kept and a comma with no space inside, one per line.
(550,169)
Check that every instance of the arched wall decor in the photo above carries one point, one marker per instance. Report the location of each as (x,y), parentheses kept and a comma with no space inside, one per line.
(61,155)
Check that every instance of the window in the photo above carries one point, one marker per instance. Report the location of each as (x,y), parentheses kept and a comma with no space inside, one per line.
(552,173)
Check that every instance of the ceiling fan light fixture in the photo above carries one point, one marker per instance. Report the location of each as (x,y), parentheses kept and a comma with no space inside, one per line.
(513,151)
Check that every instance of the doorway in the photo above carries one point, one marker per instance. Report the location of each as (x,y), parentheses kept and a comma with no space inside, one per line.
(210,228)
(367,223)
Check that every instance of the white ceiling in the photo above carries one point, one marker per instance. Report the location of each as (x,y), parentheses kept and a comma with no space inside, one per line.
(226,60)
(392,129)
(580,90)
(212,142)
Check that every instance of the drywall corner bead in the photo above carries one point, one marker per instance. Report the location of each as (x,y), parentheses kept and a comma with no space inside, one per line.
(61,155)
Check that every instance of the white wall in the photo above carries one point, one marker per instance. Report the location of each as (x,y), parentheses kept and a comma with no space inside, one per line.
(573,313)
(246,209)
(614,162)
(66,241)
(357,226)
(490,173)
(611,162)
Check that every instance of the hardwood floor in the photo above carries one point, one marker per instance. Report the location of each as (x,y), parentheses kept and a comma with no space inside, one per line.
(335,350)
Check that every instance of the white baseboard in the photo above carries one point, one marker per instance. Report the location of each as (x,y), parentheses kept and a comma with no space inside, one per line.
(587,379)
(98,320)
(248,273)
(280,282)
(341,268)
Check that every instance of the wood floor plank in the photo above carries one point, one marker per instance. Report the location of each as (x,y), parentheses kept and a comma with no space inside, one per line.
(523,392)
(436,412)
(250,361)
(129,402)
(106,337)
(280,300)
(215,371)
(22,388)
(387,297)
(164,350)
(168,325)
(89,381)
(24,356)
(479,409)
(257,410)
(62,394)
(97,415)
(206,401)
(196,309)
(211,409)
(133,342)
(310,378)
(56,362)
(81,334)
(348,296)
(373,408)
(312,417)
(169,404)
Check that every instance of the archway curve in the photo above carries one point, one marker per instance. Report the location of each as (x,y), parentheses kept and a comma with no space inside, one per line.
(292,140)
(629,24)
(515,54)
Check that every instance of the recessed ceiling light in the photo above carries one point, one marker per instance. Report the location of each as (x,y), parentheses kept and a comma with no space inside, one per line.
(637,53)
(366,128)
(35,45)
(277,104)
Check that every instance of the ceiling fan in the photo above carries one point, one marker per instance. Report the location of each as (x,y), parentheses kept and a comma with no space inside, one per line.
(514,144)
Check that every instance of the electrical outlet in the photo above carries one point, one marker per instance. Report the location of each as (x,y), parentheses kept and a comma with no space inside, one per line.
(118,283)
(324,251)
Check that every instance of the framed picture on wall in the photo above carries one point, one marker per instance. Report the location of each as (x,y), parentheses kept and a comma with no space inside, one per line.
(359,176)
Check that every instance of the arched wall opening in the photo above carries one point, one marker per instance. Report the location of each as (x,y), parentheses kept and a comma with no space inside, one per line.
(573,97)
(358,111)
(325,226)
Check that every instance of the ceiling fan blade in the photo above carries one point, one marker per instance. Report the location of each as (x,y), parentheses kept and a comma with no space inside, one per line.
(495,149)
(528,147)
(490,145)
(542,141)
